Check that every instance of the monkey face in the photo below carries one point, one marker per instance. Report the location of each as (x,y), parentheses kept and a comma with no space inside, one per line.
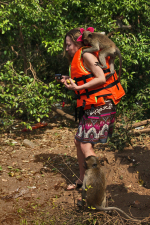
(91,162)
(85,165)
(86,37)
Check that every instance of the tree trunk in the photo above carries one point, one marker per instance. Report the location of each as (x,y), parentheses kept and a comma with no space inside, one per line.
(23,50)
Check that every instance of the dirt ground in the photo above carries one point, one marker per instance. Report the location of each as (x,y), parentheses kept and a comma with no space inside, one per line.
(33,181)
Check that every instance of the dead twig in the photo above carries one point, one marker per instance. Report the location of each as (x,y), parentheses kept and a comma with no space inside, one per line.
(33,72)
(134,125)
(62,113)
(147,130)
(70,169)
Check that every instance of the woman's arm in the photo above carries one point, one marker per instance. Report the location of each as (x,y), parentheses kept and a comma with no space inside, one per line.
(89,62)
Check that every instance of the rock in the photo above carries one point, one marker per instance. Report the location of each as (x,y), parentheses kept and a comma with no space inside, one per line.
(28,143)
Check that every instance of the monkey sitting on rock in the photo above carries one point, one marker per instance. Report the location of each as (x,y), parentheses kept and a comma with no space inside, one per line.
(94,187)
(99,41)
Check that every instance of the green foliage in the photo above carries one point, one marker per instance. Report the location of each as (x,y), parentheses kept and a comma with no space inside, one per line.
(26,97)
(122,135)
(31,45)
(121,138)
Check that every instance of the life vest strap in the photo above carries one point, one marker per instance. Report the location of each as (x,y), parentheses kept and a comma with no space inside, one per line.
(99,96)
(84,80)
(97,90)
(92,106)
(84,102)
(114,80)
(85,77)
(106,71)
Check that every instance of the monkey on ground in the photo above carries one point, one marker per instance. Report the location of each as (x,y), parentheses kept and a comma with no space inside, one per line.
(99,41)
(94,187)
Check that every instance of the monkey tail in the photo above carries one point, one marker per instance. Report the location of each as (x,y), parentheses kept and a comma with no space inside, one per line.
(117,209)
(120,61)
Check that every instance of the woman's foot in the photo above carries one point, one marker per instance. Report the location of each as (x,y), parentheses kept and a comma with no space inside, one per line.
(74,186)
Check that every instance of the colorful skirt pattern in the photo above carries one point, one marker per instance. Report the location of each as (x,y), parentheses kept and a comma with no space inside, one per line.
(97,124)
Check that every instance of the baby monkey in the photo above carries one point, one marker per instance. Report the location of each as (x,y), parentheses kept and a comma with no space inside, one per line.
(99,41)
(94,187)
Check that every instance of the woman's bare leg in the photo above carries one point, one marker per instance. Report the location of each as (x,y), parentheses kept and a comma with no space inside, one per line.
(81,159)
(83,150)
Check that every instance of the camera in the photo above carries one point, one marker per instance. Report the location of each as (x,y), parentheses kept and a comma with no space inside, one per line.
(58,76)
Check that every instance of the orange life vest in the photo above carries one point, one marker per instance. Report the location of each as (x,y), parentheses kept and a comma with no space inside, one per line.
(112,89)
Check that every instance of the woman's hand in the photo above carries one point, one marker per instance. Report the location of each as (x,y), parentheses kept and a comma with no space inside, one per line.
(71,86)
(63,79)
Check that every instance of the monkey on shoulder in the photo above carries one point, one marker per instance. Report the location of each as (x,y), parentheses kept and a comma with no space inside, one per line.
(99,41)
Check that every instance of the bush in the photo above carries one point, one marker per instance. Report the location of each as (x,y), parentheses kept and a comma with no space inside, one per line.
(27,97)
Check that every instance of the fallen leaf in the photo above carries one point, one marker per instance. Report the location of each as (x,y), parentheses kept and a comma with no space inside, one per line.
(11,174)
(141,182)
(136,202)
(4,180)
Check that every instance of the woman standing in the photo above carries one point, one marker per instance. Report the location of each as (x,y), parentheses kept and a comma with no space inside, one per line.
(96,95)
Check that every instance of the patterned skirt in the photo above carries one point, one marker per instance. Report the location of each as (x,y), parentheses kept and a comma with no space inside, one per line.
(97,124)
